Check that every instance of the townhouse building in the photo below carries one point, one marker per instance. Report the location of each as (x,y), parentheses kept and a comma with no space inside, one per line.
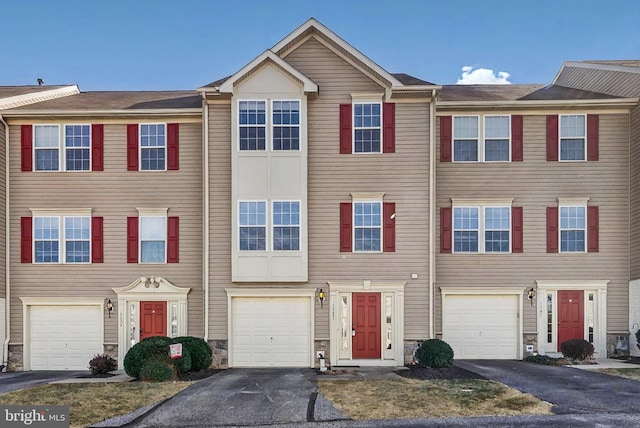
(314,202)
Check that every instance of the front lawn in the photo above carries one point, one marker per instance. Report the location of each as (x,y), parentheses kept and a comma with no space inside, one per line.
(630,373)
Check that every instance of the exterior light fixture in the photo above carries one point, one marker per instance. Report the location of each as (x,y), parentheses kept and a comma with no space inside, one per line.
(321,297)
(109,307)
(531,294)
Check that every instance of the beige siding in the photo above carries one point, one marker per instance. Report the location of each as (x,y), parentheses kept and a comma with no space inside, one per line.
(3,254)
(536,184)
(113,194)
(605,81)
(635,191)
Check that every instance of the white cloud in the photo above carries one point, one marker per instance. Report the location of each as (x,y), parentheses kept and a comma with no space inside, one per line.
(482,76)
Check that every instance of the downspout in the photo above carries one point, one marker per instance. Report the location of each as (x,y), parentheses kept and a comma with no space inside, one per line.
(7,260)
(432,212)
(205,216)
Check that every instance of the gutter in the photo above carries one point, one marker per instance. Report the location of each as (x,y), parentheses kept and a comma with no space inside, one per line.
(7,261)
(609,102)
(432,212)
(205,212)
(123,112)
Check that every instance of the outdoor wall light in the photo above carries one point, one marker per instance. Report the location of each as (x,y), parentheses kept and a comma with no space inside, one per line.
(321,297)
(109,307)
(531,295)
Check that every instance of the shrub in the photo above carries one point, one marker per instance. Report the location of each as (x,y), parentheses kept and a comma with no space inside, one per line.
(577,349)
(156,347)
(102,364)
(157,370)
(434,353)
(183,364)
(546,360)
(201,354)
(638,338)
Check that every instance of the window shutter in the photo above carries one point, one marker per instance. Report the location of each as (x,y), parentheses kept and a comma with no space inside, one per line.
(97,240)
(389,133)
(132,239)
(593,233)
(445,230)
(552,229)
(345,227)
(389,233)
(593,137)
(516,138)
(552,138)
(26,230)
(173,226)
(132,147)
(26,150)
(345,129)
(445,138)
(97,147)
(517,244)
(172,146)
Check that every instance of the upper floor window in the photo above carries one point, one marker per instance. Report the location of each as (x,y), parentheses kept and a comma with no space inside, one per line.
(573,228)
(482,229)
(153,239)
(472,143)
(496,138)
(252,225)
(367,226)
(252,119)
(74,155)
(465,138)
(47,147)
(70,246)
(286,125)
(153,143)
(367,127)
(286,226)
(573,137)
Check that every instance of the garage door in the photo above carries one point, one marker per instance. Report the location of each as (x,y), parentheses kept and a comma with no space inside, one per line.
(482,326)
(64,337)
(271,332)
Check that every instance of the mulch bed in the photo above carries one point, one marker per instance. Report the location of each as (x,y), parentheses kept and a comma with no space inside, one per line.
(427,373)
(202,374)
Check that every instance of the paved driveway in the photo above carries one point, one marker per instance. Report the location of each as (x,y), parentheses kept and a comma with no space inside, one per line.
(12,381)
(570,390)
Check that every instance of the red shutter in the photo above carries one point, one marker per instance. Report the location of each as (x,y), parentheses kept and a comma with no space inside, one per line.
(97,147)
(389,135)
(593,137)
(552,229)
(345,227)
(97,240)
(173,232)
(26,230)
(445,230)
(173,131)
(516,138)
(389,234)
(593,221)
(132,147)
(345,129)
(132,239)
(552,138)
(445,138)
(517,244)
(26,144)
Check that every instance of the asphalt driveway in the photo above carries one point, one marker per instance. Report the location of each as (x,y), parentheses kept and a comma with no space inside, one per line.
(570,390)
(13,381)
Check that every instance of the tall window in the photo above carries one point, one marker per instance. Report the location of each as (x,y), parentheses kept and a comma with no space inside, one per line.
(482,229)
(77,239)
(47,147)
(153,239)
(253,125)
(286,226)
(572,137)
(496,138)
(367,226)
(497,228)
(253,226)
(77,142)
(153,143)
(286,125)
(572,229)
(465,229)
(465,138)
(74,247)
(367,121)
(47,239)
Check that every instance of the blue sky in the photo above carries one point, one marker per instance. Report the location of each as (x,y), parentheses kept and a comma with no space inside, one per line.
(162,44)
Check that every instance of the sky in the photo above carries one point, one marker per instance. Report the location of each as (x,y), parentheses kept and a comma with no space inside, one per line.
(166,45)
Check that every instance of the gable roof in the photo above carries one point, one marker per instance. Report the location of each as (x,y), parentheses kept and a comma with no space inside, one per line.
(16,96)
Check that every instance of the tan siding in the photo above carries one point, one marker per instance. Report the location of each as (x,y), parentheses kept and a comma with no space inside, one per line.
(606,81)
(3,221)
(113,194)
(535,184)
(635,192)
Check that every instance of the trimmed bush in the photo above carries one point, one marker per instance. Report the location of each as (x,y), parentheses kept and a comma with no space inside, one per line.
(102,364)
(434,353)
(201,353)
(577,349)
(156,370)
(151,348)
(638,338)
(183,364)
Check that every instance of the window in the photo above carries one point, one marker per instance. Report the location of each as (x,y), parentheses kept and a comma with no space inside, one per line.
(496,229)
(153,239)
(286,125)
(572,229)
(496,138)
(492,222)
(253,126)
(76,243)
(47,147)
(286,226)
(77,239)
(77,148)
(367,230)
(47,239)
(153,147)
(572,137)
(77,142)
(465,230)
(465,138)
(253,226)
(367,122)
(472,145)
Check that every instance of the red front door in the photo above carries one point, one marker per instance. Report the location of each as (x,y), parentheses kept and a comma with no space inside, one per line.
(570,316)
(366,323)
(153,319)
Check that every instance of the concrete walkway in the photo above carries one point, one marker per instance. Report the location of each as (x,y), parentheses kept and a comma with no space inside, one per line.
(14,381)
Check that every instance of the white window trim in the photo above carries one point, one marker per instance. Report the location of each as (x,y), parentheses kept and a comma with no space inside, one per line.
(358,100)
(151,213)
(62,149)
(355,201)
(481,205)
(481,140)
(60,215)
(584,138)
(166,146)
(64,239)
(271,125)
(267,235)
(586,220)
(267,128)
(272,225)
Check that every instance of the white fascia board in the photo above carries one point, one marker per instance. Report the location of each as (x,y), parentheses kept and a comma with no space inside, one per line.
(309,85)
(147,112)
(615,102)
(36,97)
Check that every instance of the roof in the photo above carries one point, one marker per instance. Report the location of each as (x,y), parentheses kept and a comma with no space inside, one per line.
(463,93)
(12,91)
(556,92)
(406,79)
(617,62)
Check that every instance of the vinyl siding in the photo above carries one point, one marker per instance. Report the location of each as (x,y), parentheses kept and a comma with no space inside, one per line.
(535,184)
(113,194)
(3,221)
(635,192)
(605,81)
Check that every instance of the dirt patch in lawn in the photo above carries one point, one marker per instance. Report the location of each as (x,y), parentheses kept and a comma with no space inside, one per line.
(630,373)
(426,373)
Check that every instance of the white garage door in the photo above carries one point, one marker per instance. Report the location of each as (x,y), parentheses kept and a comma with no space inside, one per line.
(64,337)
(482,326)
(271,332)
